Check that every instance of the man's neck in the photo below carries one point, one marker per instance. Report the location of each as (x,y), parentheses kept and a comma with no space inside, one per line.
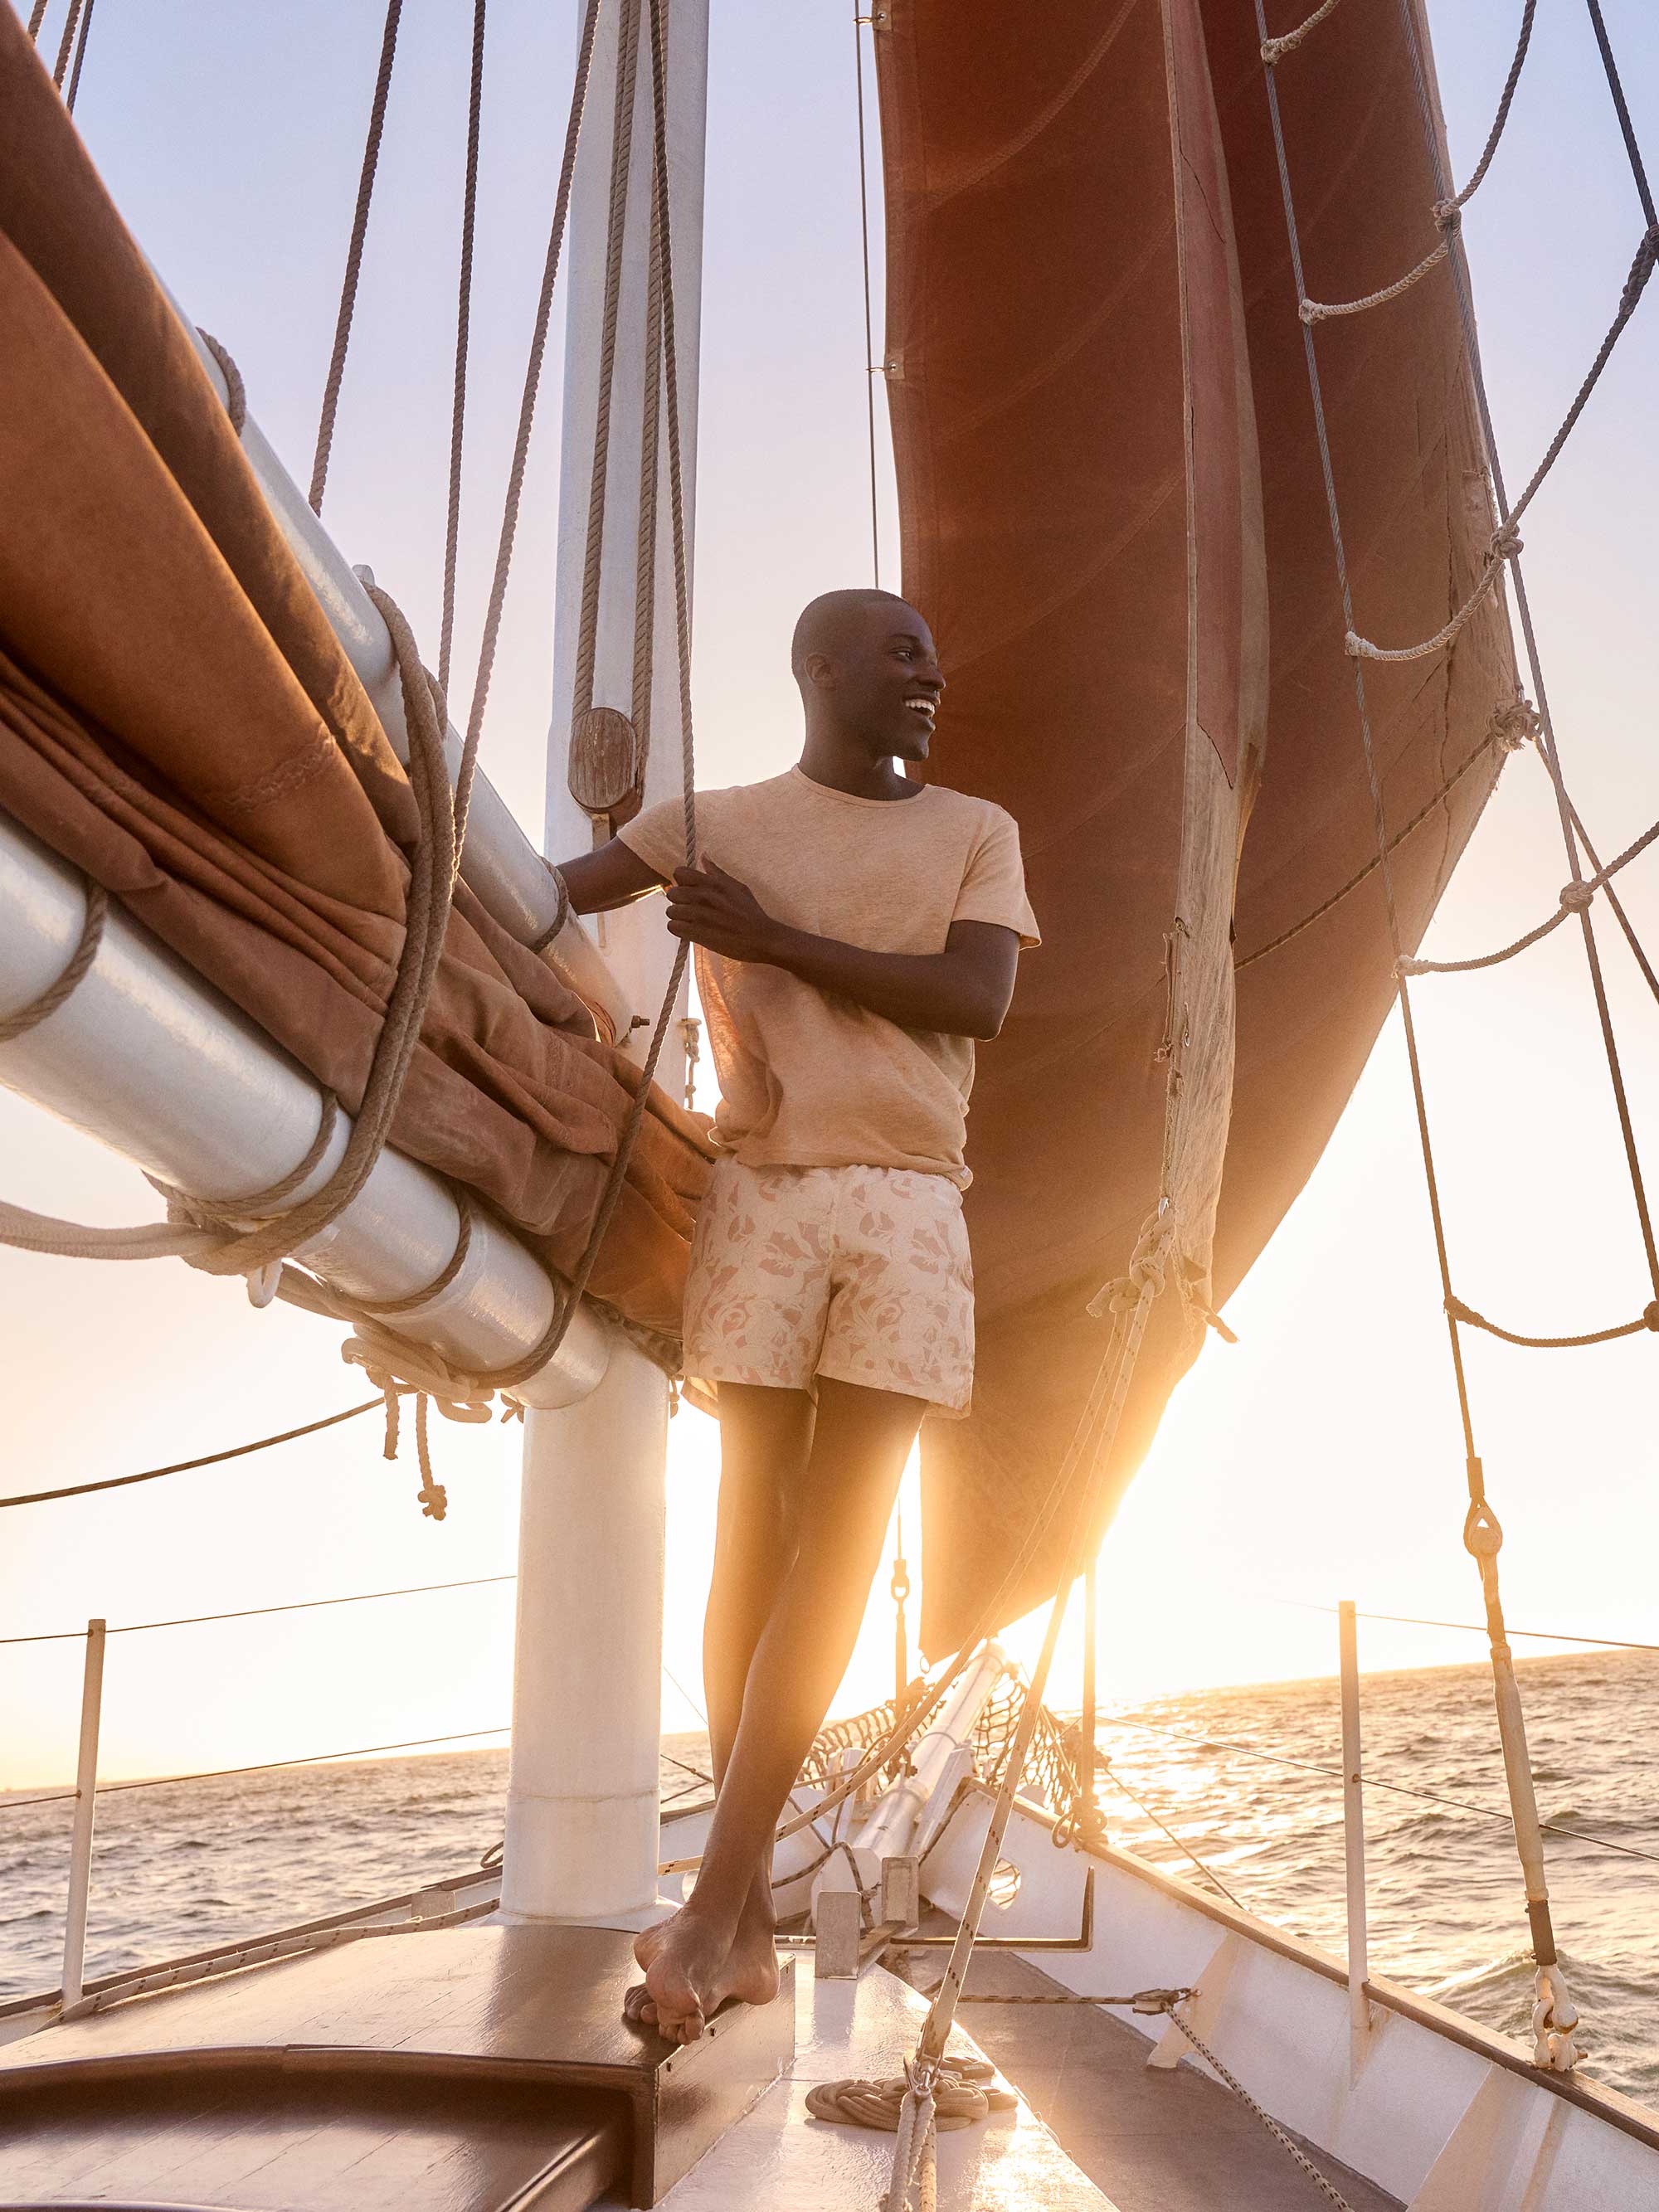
(830,759)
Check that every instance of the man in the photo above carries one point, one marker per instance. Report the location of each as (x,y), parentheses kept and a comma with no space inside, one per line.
(856,932)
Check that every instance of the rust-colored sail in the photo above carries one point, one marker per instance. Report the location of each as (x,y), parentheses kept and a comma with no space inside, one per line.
(1114,517)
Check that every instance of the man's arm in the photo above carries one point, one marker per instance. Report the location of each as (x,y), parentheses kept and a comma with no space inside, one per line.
(612,876)
(964,991)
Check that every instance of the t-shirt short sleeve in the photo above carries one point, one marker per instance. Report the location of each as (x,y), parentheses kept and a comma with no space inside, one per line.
(658,836)
(993,882)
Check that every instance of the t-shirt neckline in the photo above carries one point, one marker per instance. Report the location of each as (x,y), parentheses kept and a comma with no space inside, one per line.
(853,798)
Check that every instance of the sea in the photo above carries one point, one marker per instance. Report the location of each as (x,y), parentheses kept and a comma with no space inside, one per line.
(1256,1805)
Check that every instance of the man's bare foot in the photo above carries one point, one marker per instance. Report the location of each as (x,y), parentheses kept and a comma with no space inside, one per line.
(757,1929)
(694,1970)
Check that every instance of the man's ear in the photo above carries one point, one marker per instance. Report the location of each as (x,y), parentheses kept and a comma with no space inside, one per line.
(820,671)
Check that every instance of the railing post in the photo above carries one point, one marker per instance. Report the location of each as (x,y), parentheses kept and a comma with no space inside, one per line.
(86,1784)
(1354,1834)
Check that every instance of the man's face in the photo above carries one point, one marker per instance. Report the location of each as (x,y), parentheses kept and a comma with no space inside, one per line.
(887,682)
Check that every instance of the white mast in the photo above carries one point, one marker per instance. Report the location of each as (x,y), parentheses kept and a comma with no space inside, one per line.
(582,1809)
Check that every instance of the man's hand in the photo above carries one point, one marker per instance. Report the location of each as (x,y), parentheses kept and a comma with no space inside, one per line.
(715,910)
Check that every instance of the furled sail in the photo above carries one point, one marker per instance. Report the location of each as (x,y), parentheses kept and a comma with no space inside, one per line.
(178,720)
(1114,514)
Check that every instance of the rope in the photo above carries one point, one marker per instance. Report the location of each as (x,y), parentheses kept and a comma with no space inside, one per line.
(1621,108)
(492,625)
(80,56)
(1505,544)
(55,994)
(1287,2143)
(1541,1635)
(1274,50)
(869,318)
(1648,1319)
(37,16)
(1185,1849)
(258,1612)
(178,1467)
(1482,1535)
(462,334)
(1319,311)
(235,390)
(261,1766)
(353,256)
(1574,899)
(386,1358)
(71,21)
(965,2092)
(1444,210)
(1507,742)
(622,158)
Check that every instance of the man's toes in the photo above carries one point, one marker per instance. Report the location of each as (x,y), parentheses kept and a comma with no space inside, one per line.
(640,2007)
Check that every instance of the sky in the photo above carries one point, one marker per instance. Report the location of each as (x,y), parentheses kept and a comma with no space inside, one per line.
(1317,1459)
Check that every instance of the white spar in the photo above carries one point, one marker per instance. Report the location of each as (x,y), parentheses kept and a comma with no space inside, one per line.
(581,1821)
(150,1059)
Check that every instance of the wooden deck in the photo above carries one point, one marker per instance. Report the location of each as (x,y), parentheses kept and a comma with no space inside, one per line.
(465,2069)
(1153,2142)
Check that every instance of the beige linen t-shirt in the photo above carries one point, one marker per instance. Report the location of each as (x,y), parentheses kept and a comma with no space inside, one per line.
(807,1079)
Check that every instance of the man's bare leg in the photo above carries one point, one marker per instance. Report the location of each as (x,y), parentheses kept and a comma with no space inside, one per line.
(714,1948)
(766,1436)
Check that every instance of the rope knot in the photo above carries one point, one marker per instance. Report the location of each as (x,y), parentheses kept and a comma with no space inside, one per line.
(1650,1315)
(1647,254)
(1448,216)
(1514,724)
(1576,897)
(1506,545)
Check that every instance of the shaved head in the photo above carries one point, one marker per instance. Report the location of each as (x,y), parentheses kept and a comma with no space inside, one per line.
(834,620)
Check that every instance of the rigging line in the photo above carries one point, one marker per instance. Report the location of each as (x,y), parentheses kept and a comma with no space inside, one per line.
(463,335)
(70,21)
(1547,746)
(1446,209)
(185,1466)
(353,256)
(1479,1628)
(262,1766)
(1378,809)
(258,1611)
(1396,1788)
(1186,1850)
(869,321)
(532,378)
(37,16)
(1615,86)
(80,56)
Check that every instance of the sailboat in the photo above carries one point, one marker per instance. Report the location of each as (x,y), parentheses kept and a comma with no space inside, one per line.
(267,931)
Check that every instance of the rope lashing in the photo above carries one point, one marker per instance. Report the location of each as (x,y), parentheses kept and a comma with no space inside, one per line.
(1574,898)
(1287,2143)
(561,912)
(354,266)
(235,390)
(1274,51)
(56,994)
(1647,1319)
(1504,546)
(1322,311)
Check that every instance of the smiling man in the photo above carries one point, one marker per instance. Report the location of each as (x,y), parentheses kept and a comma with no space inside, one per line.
(856,933)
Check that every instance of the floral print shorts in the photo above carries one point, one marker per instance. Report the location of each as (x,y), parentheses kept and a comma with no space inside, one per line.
(859,1274)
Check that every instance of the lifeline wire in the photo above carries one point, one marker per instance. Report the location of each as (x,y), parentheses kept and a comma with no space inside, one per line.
(870,371)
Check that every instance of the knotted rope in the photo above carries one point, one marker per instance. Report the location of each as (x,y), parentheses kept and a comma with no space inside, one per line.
(1647,1319)
(1574,898)
(1274,51)
(965,2091)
